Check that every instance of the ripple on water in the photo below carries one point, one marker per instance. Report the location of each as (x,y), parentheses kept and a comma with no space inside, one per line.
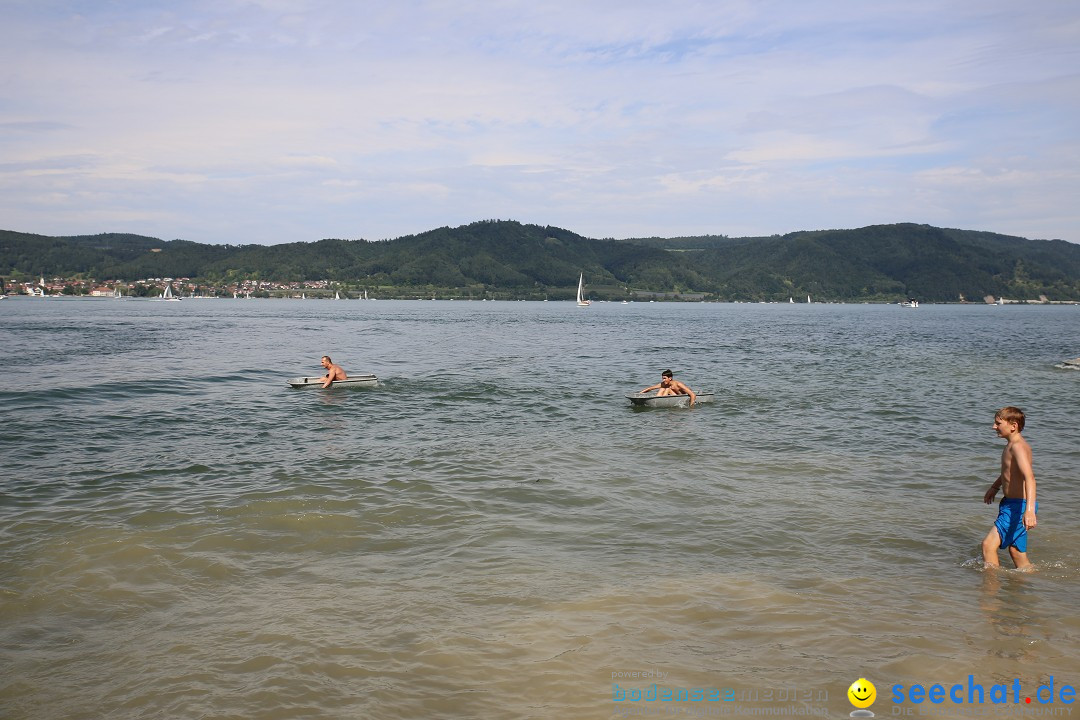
(493,532)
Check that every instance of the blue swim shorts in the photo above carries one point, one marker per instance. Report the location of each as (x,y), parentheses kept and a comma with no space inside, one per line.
(1010,523)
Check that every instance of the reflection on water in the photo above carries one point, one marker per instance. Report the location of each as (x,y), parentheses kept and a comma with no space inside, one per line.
(1009,608)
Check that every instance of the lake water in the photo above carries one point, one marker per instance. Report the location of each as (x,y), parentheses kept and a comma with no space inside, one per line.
(493,532)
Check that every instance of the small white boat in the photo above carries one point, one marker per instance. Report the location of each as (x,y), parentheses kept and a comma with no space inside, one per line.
(911,303)
(581,301)
(38,291)
(351,381)
(168,295)
(651,400)
(1070,364)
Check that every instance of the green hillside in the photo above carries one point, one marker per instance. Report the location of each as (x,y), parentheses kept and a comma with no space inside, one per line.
(879,262)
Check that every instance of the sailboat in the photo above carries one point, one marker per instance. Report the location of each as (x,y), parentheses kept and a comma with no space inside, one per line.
(807,299)
(168,294)
(581,301)
(337,295)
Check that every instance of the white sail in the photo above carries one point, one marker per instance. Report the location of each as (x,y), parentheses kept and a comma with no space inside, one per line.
(581,301)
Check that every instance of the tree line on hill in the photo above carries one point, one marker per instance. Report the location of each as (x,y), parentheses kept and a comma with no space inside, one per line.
(875,263)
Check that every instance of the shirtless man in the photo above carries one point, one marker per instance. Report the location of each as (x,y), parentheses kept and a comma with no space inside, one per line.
(1016,513)
(333,372)
(668,385)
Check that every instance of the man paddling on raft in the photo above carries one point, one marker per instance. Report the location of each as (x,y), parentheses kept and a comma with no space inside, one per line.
(670,386)
(333,372)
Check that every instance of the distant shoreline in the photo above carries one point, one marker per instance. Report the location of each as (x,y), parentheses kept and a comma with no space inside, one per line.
(463,298)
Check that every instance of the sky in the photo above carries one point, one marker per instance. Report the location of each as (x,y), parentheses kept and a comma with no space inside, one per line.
(270,121)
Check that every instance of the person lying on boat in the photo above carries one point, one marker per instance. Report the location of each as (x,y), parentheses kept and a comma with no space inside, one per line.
(668,385)
(333,372)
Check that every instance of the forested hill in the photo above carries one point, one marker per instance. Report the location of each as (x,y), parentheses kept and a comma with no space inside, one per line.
(880,262)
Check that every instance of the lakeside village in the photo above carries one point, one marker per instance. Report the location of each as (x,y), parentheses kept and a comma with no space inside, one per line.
(186,288)
(179,288)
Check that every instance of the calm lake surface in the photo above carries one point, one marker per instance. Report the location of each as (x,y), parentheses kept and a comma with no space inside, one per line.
(493,532)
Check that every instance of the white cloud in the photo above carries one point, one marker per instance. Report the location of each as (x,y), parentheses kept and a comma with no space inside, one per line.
(609,118)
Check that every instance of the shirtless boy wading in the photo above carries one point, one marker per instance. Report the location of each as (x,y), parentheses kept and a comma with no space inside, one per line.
(1016,513)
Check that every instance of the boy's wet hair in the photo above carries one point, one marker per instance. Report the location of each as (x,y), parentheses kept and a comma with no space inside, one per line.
(666,373)
(1011,414)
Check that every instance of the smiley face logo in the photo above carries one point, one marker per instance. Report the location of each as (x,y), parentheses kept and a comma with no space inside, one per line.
(862,693)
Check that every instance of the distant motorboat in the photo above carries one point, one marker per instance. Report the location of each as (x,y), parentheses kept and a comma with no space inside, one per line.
(581,301)
(911,303)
